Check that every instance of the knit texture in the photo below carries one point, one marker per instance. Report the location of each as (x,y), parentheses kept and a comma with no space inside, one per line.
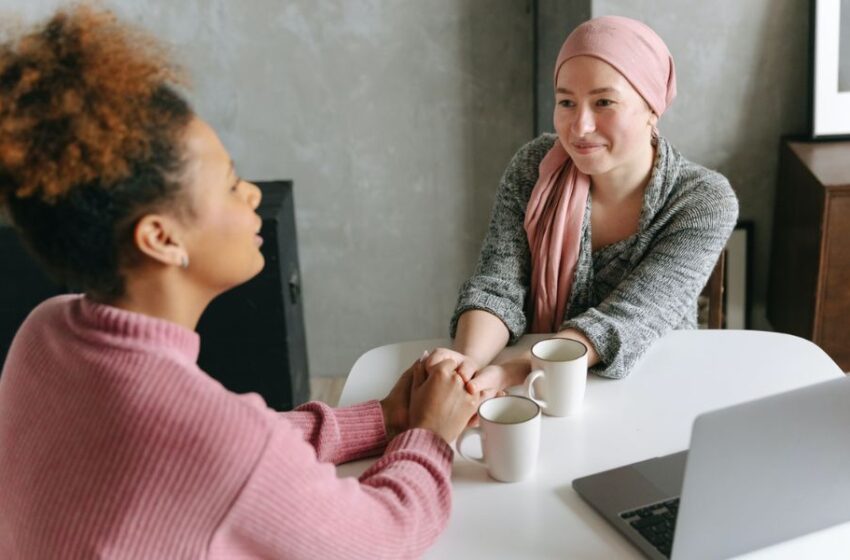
(114,444)
(625,295)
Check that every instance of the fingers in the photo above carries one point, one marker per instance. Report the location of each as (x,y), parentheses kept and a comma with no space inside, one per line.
(445,368)
(485,380)
(442,370)
(463,365)
(466,370)
(491,380)
(439,401)
(436,356)
(489,394)
(419,375)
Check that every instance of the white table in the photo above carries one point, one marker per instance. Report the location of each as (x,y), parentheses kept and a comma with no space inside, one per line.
(644,415)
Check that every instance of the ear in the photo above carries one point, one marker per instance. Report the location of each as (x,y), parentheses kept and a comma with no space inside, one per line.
(653,120)
(159,237)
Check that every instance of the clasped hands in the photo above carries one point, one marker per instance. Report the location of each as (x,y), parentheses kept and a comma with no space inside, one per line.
(442,390)
(430,395)
(488,381)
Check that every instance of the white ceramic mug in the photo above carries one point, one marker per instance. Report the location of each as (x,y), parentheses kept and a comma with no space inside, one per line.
(510,437)
(562,364)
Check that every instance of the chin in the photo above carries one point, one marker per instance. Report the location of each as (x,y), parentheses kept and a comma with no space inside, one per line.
(590,166)
(261,264)
(251,271)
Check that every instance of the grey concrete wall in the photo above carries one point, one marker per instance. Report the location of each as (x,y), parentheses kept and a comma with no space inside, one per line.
(553,22)
(394,118)
(742,71)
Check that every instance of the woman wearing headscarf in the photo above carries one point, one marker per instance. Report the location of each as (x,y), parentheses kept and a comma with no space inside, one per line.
(602,232)
(113,442)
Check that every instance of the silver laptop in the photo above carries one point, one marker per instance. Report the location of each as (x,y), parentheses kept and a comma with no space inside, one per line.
(756,474)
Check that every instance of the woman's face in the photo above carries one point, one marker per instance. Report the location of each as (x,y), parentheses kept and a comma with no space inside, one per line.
(221,232)
(601,121)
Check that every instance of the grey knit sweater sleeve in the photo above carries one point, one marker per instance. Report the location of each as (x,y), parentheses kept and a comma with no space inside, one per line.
(686,237)
(501,281)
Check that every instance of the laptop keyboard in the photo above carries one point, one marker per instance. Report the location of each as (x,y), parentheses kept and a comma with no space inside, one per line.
(655,523)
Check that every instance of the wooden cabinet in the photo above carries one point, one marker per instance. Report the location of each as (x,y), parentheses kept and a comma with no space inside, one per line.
(809,289)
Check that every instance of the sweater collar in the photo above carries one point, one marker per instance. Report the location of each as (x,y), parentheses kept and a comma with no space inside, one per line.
(131,329)
(661,181)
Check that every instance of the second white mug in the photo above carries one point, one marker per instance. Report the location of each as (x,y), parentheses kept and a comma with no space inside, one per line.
(510,437)
(562,364)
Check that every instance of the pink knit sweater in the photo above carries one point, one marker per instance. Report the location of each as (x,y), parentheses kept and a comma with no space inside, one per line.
(114,444)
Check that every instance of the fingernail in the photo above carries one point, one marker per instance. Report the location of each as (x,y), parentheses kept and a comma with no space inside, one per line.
(424,356)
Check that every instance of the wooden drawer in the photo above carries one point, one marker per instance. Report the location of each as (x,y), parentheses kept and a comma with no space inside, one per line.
(832,325)
(809,289)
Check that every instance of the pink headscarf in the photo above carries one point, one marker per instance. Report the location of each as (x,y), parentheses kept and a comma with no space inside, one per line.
(555,212)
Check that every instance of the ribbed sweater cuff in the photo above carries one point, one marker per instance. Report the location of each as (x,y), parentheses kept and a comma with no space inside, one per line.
(494,305)
(425,441)
(605,339)
(361,429)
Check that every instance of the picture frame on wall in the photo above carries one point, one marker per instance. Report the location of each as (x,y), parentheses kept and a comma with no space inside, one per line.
(739,250)
(830,69)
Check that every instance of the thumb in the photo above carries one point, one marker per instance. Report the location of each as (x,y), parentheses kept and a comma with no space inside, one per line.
(485,379)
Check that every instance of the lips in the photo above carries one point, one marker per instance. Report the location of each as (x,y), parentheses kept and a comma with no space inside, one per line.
(258,239)
(587,147)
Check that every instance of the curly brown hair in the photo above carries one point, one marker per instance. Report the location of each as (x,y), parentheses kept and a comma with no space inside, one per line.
(90,132)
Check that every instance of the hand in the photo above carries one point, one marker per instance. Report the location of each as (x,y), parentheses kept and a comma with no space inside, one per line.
(493,380)
(396,404)
(439,402)
(466,366)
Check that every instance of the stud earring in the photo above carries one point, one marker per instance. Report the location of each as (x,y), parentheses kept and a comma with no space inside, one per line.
(184,261)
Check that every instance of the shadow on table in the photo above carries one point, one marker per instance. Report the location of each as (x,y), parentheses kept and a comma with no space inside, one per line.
(593,521)
(463,471)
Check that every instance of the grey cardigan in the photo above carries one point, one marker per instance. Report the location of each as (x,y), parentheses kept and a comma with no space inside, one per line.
(624,295)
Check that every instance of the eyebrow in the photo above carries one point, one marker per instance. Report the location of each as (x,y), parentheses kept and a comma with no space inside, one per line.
(591,92)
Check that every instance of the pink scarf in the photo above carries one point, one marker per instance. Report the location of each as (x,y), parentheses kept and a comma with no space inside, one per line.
(555,211)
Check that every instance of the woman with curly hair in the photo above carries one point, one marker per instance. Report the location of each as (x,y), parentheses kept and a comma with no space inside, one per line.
(113,443)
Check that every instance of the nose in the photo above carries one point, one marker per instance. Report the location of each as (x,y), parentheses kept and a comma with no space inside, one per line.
(583,123)
(255,195)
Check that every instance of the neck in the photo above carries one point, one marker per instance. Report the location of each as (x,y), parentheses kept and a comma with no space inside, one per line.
(163,294)
(625,181)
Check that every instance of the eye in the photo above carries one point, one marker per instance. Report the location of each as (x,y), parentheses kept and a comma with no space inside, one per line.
(235,186)
(604,103)
(566,103)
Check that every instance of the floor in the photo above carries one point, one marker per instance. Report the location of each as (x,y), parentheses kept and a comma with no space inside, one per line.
(326,389)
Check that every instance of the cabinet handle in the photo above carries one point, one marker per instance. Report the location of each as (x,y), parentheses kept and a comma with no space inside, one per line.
(294,287)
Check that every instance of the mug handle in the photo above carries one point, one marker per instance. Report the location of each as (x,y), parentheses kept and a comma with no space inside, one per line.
(465,434)
(529,387)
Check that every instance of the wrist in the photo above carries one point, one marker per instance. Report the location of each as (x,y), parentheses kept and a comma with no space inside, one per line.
(518,368)
(434,428)
(470,357)
(390,427)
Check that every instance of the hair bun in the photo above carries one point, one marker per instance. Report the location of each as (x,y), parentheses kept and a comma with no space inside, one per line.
(75,103)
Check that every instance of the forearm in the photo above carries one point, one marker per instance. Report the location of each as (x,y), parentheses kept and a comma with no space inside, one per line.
(343,434)
(481,336)
(292,506)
